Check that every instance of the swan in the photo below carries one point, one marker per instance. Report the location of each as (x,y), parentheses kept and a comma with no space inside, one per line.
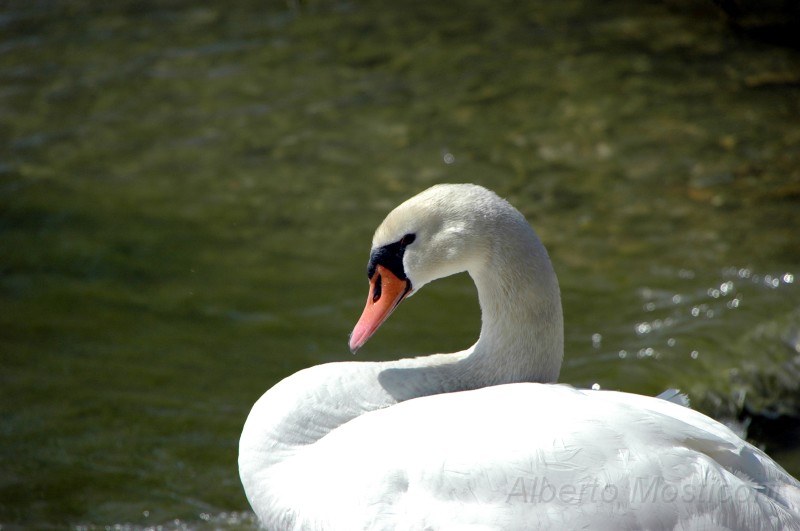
(484,439)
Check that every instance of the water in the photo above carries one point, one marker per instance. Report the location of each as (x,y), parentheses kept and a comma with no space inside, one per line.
(188,195)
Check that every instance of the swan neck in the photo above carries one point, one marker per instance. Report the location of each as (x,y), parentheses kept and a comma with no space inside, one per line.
(522,332)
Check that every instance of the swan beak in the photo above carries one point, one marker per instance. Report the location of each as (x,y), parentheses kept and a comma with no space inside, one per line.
(386,291)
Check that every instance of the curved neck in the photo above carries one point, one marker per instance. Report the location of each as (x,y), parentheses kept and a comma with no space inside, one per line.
(521,340)
(522,330)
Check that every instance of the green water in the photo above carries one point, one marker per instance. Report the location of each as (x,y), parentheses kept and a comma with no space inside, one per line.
(188,192)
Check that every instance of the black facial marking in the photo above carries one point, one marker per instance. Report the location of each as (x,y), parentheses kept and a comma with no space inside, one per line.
(391,257)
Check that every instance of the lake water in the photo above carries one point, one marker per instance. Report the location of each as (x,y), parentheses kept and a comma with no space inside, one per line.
(188,192)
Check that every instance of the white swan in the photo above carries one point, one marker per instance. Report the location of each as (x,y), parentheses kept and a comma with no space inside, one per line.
(464,440)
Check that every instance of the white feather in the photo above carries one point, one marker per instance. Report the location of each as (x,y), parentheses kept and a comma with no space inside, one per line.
(469,441)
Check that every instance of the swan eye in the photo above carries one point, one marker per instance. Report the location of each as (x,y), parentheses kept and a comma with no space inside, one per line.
(376,295)
(391,257)
(408,239)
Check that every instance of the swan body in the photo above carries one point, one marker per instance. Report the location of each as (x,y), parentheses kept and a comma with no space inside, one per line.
(483,439)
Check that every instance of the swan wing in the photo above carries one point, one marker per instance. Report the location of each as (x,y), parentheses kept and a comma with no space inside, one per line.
(528,456)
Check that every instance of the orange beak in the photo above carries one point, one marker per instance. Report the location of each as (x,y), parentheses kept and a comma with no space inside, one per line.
(386,291)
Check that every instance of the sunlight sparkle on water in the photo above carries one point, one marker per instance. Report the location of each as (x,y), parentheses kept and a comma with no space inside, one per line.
(596,340)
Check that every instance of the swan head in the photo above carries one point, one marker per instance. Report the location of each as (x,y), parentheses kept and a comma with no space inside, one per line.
(442,231)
